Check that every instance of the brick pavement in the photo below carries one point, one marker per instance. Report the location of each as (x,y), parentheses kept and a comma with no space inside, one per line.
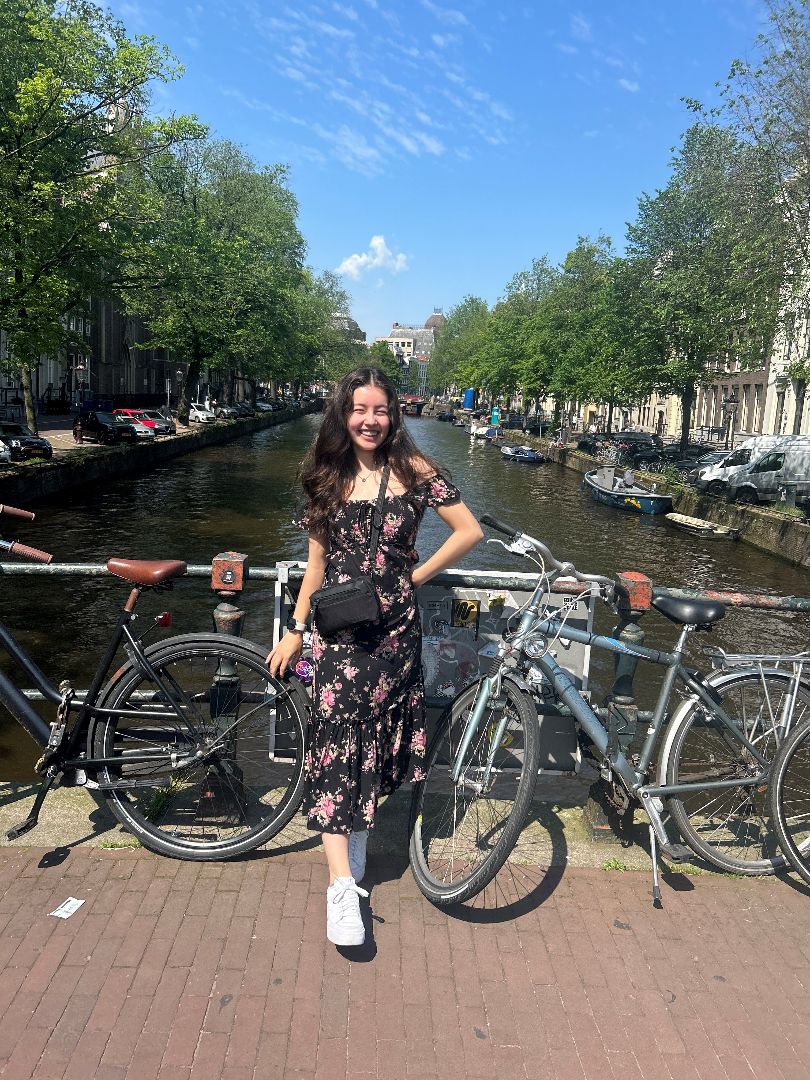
(188,971)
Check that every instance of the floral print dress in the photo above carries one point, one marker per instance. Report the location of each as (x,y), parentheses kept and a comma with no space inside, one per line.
(367,732)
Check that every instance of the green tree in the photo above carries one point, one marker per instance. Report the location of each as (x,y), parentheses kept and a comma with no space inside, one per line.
(224,283)
(711,281)
(379,355)
(456,357)
(767,103)
(74,94)
(509,355)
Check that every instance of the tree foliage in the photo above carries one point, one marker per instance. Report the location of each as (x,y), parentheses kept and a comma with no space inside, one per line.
(222,282)
(74,93)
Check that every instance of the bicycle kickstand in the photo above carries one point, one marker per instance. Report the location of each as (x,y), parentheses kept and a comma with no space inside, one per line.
(656,890)
(33,817)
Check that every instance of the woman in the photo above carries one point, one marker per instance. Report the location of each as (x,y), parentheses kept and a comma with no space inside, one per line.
(368,727)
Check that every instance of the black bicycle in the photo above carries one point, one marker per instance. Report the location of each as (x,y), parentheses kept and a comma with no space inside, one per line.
(195,748)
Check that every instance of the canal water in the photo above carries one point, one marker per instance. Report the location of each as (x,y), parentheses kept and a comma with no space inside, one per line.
(241,496)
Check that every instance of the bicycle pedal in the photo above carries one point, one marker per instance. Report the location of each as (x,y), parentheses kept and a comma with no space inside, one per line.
(23,827)
(677,853)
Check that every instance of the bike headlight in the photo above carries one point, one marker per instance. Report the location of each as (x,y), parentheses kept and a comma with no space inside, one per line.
(534,647)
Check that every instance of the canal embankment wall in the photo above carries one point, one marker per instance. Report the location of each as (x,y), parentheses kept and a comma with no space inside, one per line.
(33,481)
(768,530)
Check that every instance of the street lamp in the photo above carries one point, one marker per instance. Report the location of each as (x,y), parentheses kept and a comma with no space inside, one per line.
(728,405)
(79,369)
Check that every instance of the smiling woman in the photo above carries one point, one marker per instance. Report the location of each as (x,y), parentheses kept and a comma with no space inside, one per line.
(367,487)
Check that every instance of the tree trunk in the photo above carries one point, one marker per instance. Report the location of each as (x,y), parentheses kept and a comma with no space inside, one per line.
(28,399)
(184,397)
(609,424)
(687,400)
(801,394)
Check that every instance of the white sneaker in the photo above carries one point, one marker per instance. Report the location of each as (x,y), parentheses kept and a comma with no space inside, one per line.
(358,842)
(344,926)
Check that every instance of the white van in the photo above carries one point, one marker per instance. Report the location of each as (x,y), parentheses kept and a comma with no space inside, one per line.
(715,479)
(766,478)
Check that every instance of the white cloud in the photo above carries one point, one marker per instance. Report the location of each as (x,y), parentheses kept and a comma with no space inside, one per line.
(581,28)
(445,15)
(570,49)
(630,86)
(378,257)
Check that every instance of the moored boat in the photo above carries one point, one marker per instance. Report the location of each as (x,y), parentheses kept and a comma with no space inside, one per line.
(525,454)
(709,530)
(604,487)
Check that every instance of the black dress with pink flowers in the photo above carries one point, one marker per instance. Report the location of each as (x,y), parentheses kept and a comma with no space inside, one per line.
(367,732)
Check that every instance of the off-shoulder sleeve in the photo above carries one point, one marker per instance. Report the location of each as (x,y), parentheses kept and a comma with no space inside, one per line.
(437,492)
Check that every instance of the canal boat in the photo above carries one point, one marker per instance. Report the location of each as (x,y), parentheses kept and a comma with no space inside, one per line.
(479,431)
(707,530)
(526,454)
(604,487)
(495,436)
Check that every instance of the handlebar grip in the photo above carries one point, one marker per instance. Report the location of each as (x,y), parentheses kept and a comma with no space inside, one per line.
(34,554)
(488,519)
(13,511)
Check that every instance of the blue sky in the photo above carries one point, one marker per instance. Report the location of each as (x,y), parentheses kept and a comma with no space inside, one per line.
(437,148)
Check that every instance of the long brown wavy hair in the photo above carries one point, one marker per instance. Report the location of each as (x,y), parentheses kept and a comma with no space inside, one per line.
(330,465)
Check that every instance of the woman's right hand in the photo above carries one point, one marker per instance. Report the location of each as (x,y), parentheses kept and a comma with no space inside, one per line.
(286,653)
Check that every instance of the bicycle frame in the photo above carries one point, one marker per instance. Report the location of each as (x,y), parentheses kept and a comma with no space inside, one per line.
(533,624)
(21,709)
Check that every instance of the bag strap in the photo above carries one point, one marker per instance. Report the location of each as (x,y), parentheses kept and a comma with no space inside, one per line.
(376,519)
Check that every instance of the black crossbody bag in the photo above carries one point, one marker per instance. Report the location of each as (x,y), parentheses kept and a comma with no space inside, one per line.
(352,603)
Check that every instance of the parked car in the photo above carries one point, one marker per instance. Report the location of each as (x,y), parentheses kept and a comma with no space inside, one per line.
(711,457)
(150,418)
(592,443)
(22,443)
(227,412)
(637,440)
(5,453)
(161,424)
(670,455)
(106,427)
(267,406)
(244,408)
(198,414)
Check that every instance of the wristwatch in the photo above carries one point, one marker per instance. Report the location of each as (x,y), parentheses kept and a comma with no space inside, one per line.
(294,624)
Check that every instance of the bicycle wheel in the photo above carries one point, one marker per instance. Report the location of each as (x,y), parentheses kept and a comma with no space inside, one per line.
(730,826)
(790,798)
(460,835)
(226,743)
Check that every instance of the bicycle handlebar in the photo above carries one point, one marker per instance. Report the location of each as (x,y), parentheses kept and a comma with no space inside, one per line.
(13,511)
(522,544)
(26,552)
(488,519)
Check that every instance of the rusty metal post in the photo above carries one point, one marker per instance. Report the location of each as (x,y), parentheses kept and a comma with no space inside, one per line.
(635,597)
(229,573)
(607,802)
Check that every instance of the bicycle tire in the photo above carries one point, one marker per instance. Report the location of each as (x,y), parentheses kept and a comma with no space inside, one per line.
(217,696)
(730,827)
(790,799)
(444,827)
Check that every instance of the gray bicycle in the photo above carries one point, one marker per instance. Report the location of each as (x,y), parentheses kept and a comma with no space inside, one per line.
(711,776)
